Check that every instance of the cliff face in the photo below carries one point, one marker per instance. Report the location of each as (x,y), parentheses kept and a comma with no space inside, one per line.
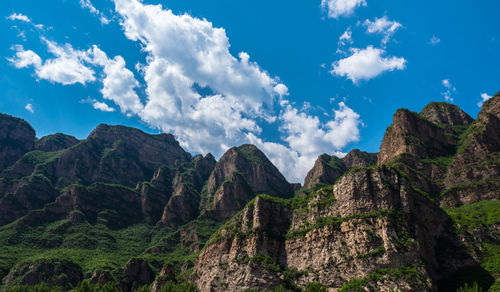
(371,223)
(240,174)
(16,138)
(410,133)
(327,169)
(474,173)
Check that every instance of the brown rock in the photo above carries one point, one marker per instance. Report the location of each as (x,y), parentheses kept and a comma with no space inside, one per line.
(327,169)
(241,173)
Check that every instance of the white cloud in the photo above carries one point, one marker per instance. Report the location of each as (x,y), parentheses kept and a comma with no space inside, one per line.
(183,52)
(19,16)
(449,90)
(307,138)
(337,8)
(98,105)
(118,83)
(434,40)
(484,97)
(88,5)
(66,68)
(24,18)
(344,39)
(382,26)
(365,64)
(29,107)
(24,58)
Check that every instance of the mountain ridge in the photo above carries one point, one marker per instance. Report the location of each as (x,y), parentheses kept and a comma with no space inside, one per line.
(127,209)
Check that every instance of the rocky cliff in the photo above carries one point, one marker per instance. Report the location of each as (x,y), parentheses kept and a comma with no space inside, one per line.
(372,225)
(241,174)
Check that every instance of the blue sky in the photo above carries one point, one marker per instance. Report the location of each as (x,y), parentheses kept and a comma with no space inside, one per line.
(296,78)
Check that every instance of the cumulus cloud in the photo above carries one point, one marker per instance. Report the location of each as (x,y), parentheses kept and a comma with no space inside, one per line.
(29,107)
(382,26)
(186,53)
(365,64)
(337,8)
(484,97)
(98,105)
(307,138)
(66,68)
(449,90)
(119,82)
(72,66)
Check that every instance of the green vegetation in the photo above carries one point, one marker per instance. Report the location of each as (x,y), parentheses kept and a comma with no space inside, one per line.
(335,222)
(409,274)
(99,247)
(479,218)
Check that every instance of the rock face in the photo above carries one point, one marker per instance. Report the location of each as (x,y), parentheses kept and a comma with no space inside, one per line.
(55,142)
(240,174)
(327,169)
(448,115)
(410,133)
(474,173)
(356,158)
(16,138)
(373,221)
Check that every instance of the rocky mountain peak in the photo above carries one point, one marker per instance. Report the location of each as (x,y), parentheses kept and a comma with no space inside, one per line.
(326,170)
(240,174)
(55,142)
(356,158)
(16,138)
(410,133)
(446,114)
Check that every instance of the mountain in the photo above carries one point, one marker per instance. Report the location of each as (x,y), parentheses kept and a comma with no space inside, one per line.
(123,210)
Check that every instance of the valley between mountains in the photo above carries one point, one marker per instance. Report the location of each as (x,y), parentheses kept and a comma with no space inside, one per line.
(123,210)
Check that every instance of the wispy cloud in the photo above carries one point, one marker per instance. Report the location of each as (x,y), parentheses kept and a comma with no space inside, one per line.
(382,26)
(449,90)
(434,40)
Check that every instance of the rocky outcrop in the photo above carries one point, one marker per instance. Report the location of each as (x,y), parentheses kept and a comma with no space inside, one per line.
(357,158)
(327,169)
(445,114)
(240,174)
(54,272)
(410,133)
(373,222)
(474,173)
(16,138)
(55,142)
